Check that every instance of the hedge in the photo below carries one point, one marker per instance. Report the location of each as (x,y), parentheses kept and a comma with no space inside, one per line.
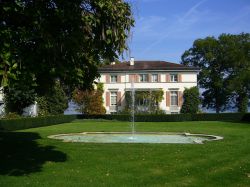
(24,123)
(32,122)
(246,117)
(172,117)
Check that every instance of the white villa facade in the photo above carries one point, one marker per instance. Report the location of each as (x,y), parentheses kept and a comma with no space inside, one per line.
(171,78)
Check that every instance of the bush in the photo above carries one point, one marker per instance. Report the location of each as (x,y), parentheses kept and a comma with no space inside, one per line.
(172,117)
(11,115)
(32,122)
(191,101)
(246,117)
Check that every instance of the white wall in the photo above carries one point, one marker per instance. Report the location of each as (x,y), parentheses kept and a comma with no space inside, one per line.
(189,79)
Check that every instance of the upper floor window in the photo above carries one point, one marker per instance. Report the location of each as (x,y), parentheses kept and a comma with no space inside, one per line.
(154,77)
(113,98)
(174,78)
(113,78)
(174,98)
(143,77)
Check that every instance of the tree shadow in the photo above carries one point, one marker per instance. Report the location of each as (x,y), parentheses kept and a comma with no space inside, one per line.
(20,154)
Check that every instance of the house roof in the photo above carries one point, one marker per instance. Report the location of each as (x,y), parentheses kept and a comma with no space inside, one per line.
(146,66)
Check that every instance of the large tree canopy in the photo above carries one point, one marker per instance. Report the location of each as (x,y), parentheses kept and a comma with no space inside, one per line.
(61,38)
(225,69)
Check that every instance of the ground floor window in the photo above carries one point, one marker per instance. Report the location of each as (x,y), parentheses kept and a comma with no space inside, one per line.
(113,98)
(174,98)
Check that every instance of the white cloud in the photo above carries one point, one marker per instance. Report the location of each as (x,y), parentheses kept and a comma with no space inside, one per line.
(183,23)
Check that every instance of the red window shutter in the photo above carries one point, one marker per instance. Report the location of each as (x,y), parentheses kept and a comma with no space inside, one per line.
(167,98)
(119,98)
(119,78)
(107,99)
(137,78)
(131,78)
(107,78)
(179,78)
(149,78)
(167,78)
(159,77)
(180,98)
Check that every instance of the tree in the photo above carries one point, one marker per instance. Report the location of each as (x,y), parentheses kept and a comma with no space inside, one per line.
(53,102)
(90,101)
(237,60)
(20,93)
(191,100)
(206,54)
(225,69)
(63,40)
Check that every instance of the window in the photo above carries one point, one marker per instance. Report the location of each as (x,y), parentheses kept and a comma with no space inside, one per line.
(113,99)
(144,78)
(113,78)
(174,98)
(174,78)
(154,77)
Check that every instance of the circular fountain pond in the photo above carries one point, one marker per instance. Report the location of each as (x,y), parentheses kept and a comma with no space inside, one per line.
(146,137)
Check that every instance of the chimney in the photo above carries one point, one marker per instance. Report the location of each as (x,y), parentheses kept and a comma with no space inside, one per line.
(132,61)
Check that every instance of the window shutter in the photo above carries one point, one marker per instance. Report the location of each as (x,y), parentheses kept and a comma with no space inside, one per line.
(180,98)
(107,78)
(149,78)
(167,77)
(136,78)
(119,78)
(179,78)
(159,77)
(167,98)
(107,99)
(130,78)
(119,98)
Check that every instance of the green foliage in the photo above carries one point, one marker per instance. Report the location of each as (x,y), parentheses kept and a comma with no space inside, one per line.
(225,64)
(237,60)
(191,101)
(54,102)
(11,115)
(145,101)
(246,117)
(90,101)
(19,94)
(32,122)
(63,40)
(43,108)
(169,118)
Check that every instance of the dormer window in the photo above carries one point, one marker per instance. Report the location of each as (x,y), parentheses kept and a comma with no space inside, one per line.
(173,77)
(113,78)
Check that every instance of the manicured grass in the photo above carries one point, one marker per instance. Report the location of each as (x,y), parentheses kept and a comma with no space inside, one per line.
(29,158)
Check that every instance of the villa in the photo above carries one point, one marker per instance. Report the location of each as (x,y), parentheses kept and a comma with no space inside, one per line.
(170,78)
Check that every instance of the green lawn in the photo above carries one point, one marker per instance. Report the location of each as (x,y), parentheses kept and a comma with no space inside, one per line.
(29,158)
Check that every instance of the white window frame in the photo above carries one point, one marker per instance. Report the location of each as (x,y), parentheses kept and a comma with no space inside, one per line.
(154,78)
(173,77)
(113,98)
(113,78)
(143,77)
(172,95)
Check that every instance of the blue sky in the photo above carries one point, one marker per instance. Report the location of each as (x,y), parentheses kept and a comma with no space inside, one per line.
(164,29)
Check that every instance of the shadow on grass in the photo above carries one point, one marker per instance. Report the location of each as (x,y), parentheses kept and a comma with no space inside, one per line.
(20,154)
